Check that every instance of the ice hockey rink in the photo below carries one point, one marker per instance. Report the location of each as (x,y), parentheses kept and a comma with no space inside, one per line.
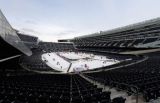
(76,61)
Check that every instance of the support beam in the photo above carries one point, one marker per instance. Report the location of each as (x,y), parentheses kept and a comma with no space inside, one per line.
(5,59)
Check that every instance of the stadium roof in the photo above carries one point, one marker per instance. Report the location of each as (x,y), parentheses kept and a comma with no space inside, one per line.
(9,35)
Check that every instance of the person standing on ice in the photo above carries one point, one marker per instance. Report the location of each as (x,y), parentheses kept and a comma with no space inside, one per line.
(86,66)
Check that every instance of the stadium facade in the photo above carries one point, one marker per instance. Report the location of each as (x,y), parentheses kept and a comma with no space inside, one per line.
(141,35)
(9,37)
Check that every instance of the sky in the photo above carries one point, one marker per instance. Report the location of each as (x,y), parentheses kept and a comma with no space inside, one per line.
(51,20)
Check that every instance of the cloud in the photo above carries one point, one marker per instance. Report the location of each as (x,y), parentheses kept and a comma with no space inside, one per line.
(28,30)
(30,22)
(64,33)
(45,31)
(55,19)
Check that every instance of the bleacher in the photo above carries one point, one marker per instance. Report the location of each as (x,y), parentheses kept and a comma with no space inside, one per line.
(34,88)
(28,38)
(128,37)
(41,88)
(29,41)
(54,47)
(34,62)
(85,92)
(144,76)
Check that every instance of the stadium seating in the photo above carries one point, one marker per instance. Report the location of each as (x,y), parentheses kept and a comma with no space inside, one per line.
(144,76)
(135,74)
(35,89)
(30,41)
(54,47)
(149,40)
(34,62)
(85,92)
(120,39)
(41,88)
(27,38)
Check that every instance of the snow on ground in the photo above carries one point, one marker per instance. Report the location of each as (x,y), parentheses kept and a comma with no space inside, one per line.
(64,61)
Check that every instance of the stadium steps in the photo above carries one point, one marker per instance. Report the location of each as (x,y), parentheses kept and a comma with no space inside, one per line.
(155,101)
(115,93)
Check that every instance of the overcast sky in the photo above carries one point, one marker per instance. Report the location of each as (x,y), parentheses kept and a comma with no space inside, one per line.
(59,19)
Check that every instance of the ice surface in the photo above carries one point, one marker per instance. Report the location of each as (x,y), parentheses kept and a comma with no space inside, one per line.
(61,61)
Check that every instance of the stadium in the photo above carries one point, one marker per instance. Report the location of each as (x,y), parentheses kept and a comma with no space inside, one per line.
(121,65)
